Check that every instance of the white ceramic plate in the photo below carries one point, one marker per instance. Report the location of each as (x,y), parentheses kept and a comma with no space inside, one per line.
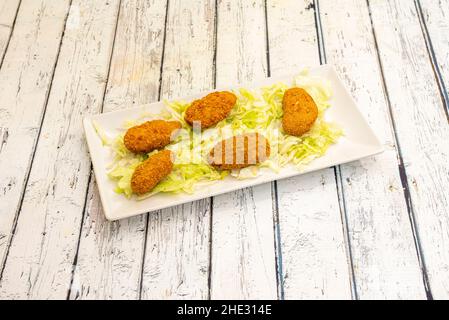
(359,141)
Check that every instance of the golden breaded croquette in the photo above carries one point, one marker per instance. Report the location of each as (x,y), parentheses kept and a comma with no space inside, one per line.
(240,151)
(150,172)
(300,111)
(150,135)
(211,109)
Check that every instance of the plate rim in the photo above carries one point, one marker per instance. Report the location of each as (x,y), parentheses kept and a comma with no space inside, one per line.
(90,134)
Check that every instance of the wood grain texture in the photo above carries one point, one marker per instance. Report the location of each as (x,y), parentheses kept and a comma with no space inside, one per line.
(176,264)
(436,26)
(384,256)
(8,12)
(25,79)
(422,130)
(110,254)
(243,251)
(109,260)
(41,256)
(315,263)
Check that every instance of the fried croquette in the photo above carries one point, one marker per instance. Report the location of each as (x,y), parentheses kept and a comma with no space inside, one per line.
(240,151)
(150,135)
(300,111)
(211,109)
(150,172)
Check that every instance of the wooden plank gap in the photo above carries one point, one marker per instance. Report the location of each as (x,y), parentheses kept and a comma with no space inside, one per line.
(277,242)
(267,40)
(433,59)
(344,223)
(211,209)
(315,5)
(161,69)
(209,276)
(274,193)
(214,59)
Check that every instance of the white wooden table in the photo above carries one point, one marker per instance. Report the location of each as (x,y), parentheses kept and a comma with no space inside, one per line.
(375,228)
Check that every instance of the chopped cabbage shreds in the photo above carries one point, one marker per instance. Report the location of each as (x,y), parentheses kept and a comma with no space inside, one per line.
(184,177)
(176,110)
(122,175)
(101,134)
(255,111)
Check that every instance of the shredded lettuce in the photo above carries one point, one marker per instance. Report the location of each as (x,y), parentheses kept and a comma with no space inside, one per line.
(122,175)
(185,177)
(101,134)
(255,111)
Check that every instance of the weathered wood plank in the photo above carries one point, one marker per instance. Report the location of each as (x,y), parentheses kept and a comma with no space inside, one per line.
(110,254)
(243,252)
(8,13)
(40,259)
(25,79)
(422,131)
(177,258)
(435,15)
(383,252)
(315,263)
(109,259)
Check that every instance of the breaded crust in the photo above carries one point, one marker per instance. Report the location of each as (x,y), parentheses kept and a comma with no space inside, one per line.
(240,151)
(150,135)
(150,172)
(211,109)
(300,111)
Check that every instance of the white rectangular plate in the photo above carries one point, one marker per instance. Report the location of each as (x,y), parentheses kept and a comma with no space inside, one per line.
(359,141)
